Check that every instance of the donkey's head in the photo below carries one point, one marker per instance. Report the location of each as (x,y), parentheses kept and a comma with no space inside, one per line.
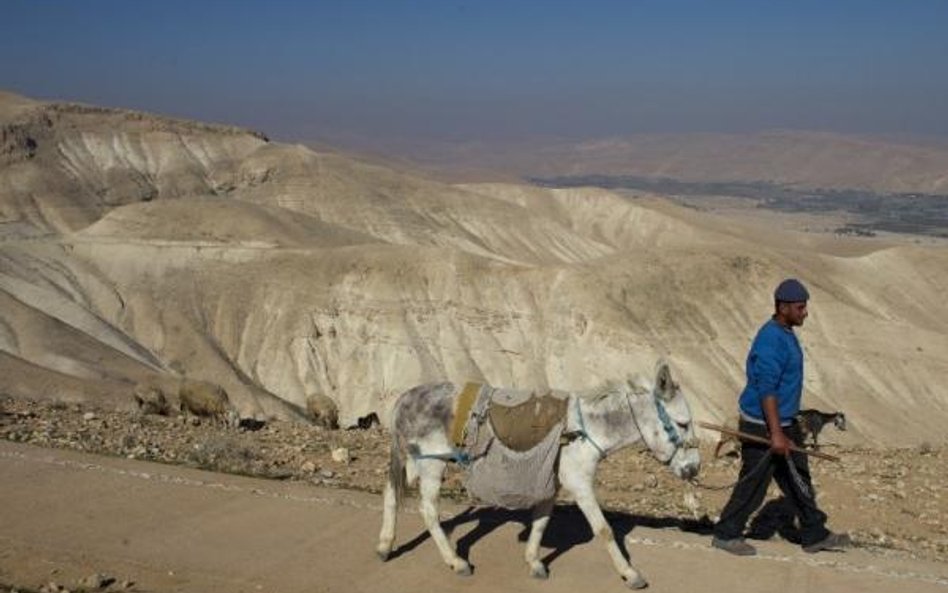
(665,422)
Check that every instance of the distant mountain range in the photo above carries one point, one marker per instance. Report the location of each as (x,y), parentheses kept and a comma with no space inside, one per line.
(796,159)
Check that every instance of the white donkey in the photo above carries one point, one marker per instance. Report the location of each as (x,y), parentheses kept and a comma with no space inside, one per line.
(607,419)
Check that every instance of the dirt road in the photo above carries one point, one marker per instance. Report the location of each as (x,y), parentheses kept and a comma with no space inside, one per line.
(66,515)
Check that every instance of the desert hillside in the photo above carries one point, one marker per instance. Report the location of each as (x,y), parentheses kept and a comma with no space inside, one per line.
(136,248)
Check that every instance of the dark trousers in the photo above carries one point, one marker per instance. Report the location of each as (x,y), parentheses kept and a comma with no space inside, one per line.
(751,490)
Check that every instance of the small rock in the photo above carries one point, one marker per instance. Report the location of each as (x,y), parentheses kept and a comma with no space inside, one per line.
(691,502)
(327,473)
(88,416)
(341,455)
(308,467)
(651,481)
(279,473)
(96,581)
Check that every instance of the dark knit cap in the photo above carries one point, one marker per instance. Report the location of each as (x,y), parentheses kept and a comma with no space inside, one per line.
(791,290)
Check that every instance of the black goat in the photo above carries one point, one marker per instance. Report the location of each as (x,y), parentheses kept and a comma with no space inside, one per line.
(812,422)
(365,422)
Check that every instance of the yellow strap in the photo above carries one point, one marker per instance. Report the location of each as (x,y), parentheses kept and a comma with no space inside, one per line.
(462,410)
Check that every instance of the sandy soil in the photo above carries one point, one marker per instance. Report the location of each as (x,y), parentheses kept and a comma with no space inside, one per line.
(172,527)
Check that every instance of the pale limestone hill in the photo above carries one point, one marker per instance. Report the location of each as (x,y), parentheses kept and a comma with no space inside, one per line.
(218,220)
(56,344)
(63,166)
(295,272)
(601,215)
(405,209)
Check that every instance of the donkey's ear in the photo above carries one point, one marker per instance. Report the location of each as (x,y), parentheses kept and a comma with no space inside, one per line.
(664,384)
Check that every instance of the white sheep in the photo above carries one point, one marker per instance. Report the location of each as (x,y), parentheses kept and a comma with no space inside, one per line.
(207,400)
(322,411)
(151,399)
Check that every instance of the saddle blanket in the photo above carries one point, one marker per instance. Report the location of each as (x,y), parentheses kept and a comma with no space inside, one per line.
(513,440)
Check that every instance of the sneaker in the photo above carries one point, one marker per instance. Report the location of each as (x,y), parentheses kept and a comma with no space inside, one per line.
(736,546)
(830,542)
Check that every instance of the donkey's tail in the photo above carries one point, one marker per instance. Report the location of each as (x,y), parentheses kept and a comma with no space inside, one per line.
(397,478)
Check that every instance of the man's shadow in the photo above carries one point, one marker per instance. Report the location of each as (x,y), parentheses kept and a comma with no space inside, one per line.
(567,528)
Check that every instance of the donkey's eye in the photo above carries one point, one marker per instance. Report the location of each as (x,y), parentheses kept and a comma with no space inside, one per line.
(683,425)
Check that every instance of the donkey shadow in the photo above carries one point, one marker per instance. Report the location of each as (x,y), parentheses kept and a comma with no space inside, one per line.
(567,528)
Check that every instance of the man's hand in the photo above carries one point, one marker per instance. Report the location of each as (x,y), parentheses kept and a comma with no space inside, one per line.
(779,443)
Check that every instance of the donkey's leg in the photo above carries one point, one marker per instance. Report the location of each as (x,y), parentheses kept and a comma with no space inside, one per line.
(577,469)
(401,472)
(389,519)
(541,516)
(430,472)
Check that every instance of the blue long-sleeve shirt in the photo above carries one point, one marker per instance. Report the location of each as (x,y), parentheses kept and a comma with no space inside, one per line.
(774,367)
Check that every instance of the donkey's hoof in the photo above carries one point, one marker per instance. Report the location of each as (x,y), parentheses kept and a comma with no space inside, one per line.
(540,572)
(637,583)
(383,555)
(462,569)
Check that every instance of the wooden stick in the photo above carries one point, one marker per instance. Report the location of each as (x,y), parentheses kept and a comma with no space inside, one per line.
(765,441)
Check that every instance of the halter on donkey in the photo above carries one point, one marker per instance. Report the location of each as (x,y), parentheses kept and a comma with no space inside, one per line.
(603,421)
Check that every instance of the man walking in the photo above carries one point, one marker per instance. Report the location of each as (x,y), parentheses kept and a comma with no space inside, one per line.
(768,408)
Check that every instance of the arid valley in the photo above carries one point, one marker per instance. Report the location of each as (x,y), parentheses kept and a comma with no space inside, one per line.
(140,252)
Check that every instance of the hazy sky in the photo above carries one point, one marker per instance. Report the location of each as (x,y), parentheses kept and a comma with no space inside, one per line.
(492,69)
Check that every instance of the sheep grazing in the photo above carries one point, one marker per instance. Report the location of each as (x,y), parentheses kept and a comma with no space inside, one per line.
(150,399)
(322,411)
(207,400)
